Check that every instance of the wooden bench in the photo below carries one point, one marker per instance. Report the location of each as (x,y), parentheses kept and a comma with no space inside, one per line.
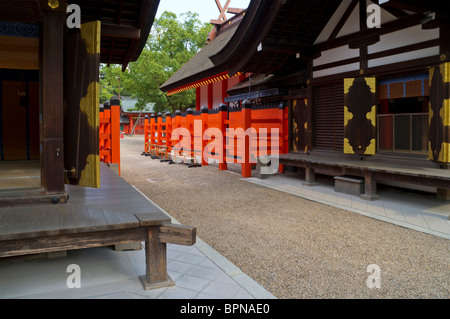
(372,172)
(115,214)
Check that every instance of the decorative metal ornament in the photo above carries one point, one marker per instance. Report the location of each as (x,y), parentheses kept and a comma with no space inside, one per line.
(53,4)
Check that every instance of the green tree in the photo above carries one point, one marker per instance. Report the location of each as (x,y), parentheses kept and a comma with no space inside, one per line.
(171,43)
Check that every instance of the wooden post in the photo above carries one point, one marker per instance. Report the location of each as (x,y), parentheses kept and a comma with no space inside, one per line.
(198,97)
(190,127)
(168,134)
(115,131)
(310,179)
(281,135)
(52,79)
(204,117)
(224,90)
(246,170)
(370,187)
(210,96)
(223,109)
(156,262)
(152,134)
(146,132)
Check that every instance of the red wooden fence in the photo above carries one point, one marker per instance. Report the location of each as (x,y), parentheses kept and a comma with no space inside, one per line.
(218,135)
(110,133)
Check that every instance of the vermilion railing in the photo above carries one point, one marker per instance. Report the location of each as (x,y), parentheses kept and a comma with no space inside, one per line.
(110,133)
(198,137)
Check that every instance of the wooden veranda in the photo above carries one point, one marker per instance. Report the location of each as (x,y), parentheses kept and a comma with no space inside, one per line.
(114,214)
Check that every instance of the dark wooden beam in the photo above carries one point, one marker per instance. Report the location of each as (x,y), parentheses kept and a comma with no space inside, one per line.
(343,19)
(292,47)
(115,31)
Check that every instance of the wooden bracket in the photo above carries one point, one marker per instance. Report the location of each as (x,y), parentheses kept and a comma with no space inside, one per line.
(178,234)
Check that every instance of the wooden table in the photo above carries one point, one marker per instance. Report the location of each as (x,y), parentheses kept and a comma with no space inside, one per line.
(114,214)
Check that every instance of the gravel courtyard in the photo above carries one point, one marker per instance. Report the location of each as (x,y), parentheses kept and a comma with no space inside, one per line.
(293,247)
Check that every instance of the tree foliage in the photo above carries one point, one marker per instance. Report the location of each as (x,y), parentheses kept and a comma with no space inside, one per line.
(172,42)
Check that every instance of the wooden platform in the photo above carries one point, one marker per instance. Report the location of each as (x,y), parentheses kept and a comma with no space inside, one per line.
(114,214)
(20,174)
(373,171)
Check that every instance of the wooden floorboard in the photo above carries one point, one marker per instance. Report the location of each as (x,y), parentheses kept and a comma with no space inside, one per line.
(114,206)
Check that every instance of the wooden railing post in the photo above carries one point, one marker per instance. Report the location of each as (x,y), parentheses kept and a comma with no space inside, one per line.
(115,131)
(204,118)
(152,133)
(168,137)
(146,132)
(190,127)
(223,110)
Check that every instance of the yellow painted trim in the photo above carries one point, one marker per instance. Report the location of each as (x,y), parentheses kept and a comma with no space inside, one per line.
(348,149)
(348,84)
(372,83)
(445,112)
(88,104)
(90,33)
(372,115)
(445,71)
(370,150)
(347,116)
(90,176)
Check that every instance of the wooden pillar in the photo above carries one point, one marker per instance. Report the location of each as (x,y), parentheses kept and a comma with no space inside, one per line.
(224,90)
(310,176)
(223,111)
(282,146)
(210,96)
(204,118)
(370,187)
(246,170)
(198,97)
(115,131)
(146,132)
(168,135)
(52,64)
(156,262)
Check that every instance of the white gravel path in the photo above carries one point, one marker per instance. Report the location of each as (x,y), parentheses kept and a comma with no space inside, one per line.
(293,247)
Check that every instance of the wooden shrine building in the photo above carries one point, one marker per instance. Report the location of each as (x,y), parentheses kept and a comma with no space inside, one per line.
(55,195)
(365,84)
(210,81)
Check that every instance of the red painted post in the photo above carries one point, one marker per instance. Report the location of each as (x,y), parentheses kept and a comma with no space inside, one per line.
(246,170)
(223,111)
(204,118)
(281,135)
(152,134)
(115,131)
(160,134)
(168,138)
(198,97)
(146,132)
(190,127)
